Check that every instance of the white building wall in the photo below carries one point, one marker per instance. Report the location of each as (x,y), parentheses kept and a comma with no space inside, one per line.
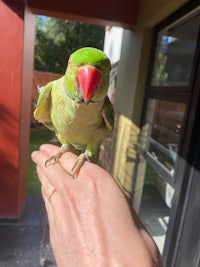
(112,43)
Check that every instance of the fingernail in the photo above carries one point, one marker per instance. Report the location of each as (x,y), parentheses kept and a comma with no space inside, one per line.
(34,154)
(43,147)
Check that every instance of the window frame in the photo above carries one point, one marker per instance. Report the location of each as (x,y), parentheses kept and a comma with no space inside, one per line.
(179,90)
(188,147)
(182,94)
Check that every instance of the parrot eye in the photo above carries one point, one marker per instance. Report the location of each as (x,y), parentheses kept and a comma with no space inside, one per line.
(69,63)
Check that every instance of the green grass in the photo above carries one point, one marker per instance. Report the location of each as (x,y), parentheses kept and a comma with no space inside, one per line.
(150,188)
(150,176)
(37,137)
(42,136)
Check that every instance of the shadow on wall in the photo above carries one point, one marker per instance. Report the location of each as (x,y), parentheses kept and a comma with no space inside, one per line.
(9,158)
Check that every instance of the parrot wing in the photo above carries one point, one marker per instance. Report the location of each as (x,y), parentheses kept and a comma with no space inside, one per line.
(102,132)
(108,114)
(43,108)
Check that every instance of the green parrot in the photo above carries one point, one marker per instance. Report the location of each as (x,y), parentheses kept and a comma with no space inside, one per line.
(76,106)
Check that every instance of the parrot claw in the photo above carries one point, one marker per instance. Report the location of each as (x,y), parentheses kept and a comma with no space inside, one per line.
(64,148)
(54,157)
(81,159)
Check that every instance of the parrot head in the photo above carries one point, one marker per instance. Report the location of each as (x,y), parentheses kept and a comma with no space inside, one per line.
(87,75)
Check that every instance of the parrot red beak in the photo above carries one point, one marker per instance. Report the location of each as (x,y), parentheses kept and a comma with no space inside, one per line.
(89,78)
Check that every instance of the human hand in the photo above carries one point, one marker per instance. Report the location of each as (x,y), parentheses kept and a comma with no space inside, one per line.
(89,217)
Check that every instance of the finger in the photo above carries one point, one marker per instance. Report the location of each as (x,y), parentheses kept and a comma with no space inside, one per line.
(49,205)
(39,157)
(67,160)
(54,204)
(54,172)
(47,188)
(49,149)
(42,177)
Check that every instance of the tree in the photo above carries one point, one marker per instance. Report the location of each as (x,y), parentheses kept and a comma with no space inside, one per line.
(56,39)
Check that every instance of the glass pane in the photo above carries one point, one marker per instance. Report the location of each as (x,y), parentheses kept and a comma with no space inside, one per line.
(165,119)
(175,50)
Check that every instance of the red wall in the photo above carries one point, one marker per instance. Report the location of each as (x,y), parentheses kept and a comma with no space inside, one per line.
(12,173)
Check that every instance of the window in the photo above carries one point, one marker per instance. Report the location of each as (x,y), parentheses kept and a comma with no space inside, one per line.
(174,54)
(169,91)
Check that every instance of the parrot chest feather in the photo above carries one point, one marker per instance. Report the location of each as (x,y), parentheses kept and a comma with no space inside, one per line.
(75,122)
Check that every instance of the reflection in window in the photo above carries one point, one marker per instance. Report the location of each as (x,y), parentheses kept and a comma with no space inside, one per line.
(165,119)
(174,53)
(170,81)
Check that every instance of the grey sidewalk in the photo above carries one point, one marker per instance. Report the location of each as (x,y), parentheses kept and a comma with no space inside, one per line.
(24,242)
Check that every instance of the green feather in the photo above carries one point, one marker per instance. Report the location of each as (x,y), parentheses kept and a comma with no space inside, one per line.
(79,126)
(91,56)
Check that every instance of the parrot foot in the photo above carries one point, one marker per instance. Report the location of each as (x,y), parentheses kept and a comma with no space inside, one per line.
(64,148)
(81,159)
